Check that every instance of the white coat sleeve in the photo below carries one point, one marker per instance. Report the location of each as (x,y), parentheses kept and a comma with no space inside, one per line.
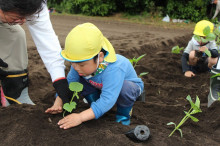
(47,43)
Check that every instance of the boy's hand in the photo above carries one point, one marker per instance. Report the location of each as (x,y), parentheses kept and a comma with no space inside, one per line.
(75,119)
(69,121)
(57,107)
(189,74)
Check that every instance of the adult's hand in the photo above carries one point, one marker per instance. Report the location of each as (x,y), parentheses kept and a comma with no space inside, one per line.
(2,72)
(189,74)
(57,107)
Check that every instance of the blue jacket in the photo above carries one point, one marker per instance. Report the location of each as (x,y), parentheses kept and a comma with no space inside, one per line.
(110,83)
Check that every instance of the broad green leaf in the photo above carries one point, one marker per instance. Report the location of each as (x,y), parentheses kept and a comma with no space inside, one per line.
(140,57)
(67,107)
(194,119)
(197,38)
(210,37)
(207,52)
(204,40)
(171,123)
(76,86)
(176,49)
(206,30)
(73,105)
(143,73)
(181,134)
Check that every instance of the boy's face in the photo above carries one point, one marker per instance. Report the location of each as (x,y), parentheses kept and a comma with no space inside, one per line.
(86,68)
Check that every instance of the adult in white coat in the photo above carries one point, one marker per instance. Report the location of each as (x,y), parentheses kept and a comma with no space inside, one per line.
(14,57)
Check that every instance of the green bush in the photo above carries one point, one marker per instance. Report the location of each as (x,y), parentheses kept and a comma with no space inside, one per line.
(193,10)
(86,7)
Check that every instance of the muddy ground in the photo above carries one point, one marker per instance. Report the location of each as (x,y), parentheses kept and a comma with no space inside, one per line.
(166,91)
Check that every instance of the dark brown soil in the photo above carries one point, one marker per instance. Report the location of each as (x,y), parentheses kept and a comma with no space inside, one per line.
(166,91)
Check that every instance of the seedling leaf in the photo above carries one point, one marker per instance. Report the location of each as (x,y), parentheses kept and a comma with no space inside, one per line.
(207,52)
(171,123)
(176,49)
(181,134)
(140,57)
(206,30)
(194,119)
(215,75)
(75,86)
(197,103)
(210,37)
(197,38)
(143,73)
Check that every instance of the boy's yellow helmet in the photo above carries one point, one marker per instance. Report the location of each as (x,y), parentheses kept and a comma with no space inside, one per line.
(201,25)
(84,42)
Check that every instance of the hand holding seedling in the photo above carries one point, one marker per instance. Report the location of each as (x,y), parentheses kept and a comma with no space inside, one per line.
(195,108)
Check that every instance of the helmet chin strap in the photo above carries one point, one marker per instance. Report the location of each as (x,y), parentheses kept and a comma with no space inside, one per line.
(89,76)
(97,61)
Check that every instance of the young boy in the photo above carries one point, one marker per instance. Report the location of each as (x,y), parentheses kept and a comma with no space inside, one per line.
(194,54)
(107,78)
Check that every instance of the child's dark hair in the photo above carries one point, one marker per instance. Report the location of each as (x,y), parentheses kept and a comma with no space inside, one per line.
(22,7)
(96,57)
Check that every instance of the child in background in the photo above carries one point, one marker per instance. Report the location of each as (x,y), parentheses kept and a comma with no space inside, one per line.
(108,78)
(194,59)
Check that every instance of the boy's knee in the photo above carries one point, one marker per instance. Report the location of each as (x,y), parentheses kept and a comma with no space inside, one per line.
(192,58)
(129,93)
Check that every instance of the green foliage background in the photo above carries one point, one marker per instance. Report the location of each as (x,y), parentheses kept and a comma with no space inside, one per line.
(193,10)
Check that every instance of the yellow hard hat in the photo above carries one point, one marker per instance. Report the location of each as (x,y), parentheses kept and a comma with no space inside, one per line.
(84,42)
(201,25)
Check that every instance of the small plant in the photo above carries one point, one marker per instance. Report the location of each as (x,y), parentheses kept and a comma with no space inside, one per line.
(134,62)
(176,50)
(195,108)
(75,87)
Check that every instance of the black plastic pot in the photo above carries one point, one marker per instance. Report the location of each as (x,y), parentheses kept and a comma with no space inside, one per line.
(139,133)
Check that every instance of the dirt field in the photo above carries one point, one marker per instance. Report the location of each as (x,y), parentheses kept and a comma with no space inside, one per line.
(166,91)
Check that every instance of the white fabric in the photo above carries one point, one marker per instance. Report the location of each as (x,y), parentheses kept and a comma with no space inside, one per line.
(47,44)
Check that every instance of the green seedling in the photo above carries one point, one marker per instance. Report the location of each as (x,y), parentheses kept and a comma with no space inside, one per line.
(218,96)
(176,50)
(134,62)
(75,87)
(195,108)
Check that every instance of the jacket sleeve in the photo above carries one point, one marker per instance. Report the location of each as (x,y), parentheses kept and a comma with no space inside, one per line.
(214,53)
(47,43)
(184,59)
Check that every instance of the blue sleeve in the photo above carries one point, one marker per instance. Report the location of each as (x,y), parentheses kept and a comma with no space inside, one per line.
(112,84)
